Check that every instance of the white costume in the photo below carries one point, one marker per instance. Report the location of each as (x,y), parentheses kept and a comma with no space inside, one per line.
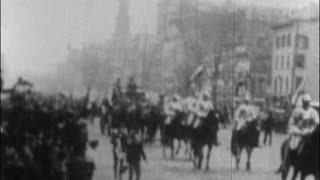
(171,108)
(244,113)
(192,106)
(203,108)
(302,122)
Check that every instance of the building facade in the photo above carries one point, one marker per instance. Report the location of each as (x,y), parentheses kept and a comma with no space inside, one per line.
(260,79)
(295,59)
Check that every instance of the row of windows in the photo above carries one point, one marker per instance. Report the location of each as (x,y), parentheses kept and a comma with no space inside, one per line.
(281,85)
(283,41)
(282,61)
(261,68)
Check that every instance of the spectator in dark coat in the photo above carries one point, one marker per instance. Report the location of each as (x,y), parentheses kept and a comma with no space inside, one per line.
(268,125)
(135,152)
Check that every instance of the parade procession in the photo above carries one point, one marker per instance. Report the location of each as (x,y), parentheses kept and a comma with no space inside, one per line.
(160,90)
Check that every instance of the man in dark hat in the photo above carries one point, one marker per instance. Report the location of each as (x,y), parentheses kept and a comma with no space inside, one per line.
(135,152)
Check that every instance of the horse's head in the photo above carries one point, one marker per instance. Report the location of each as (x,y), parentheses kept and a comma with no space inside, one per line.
(213,117)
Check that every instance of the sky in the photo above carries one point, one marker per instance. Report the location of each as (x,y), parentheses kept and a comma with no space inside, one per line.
(35,34)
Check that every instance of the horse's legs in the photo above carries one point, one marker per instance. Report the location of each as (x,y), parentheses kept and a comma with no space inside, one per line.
(115,166)
(179,146)
(120,169)
(102,126)
(270,138)
(295,174)
(303,176)
(190,153)
(195,155)
(284,174)
(164,150)
(200,158)
(238,157)
(172,148)
(208,156)
(186,142)
(249,152)
(265,138)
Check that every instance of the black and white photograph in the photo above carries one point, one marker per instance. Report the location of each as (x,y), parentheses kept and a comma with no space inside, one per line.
(159,90)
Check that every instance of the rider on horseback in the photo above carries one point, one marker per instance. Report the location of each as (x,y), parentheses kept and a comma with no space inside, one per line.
(302,122)
(244,114)
(204,107)
(171,108)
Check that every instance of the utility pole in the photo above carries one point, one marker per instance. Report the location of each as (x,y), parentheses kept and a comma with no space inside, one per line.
(293,85)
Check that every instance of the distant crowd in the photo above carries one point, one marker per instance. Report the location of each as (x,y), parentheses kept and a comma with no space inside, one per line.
(43,137)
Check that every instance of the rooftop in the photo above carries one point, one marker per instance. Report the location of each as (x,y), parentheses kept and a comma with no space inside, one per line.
(288,23)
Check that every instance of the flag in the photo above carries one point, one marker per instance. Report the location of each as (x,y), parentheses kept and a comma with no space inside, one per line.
(197,72)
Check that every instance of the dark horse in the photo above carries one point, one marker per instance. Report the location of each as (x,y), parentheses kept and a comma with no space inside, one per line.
(244,138)
(307,161)
(172,131)
(152,123)
(206,134)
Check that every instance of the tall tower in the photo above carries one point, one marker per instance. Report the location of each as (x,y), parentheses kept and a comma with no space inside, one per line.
(121,37)
(122,28)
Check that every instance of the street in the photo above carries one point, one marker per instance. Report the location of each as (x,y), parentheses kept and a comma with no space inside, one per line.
(265,161)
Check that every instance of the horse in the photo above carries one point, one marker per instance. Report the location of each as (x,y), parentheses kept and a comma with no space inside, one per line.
(153,123)
(307,161)
(204,135)
(171,132)
(244,139)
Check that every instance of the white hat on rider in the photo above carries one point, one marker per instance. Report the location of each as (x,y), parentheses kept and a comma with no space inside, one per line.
(306,97)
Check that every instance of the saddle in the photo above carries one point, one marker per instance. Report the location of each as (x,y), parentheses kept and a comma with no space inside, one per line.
(246,134)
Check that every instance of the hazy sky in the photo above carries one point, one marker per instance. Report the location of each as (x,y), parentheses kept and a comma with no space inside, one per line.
(35,33)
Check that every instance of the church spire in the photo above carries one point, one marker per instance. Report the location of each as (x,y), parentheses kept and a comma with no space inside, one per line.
(122,28)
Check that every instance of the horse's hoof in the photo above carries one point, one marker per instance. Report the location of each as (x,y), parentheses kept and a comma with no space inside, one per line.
(248,167)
